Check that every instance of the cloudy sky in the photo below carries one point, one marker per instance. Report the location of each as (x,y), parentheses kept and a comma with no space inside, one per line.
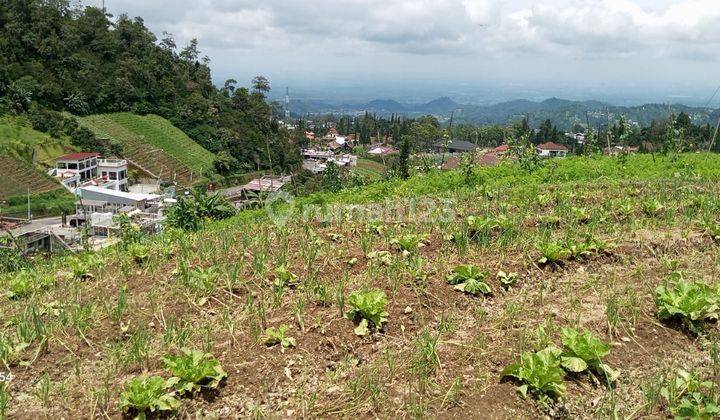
(562,46)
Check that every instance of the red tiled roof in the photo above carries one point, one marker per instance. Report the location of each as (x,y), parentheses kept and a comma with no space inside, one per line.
(502,148)
(552,146)
(78,156)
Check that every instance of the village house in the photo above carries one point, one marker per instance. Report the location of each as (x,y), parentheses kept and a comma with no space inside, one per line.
(379,149)
(551,149)
(455,146)
(77,169)
(82,164)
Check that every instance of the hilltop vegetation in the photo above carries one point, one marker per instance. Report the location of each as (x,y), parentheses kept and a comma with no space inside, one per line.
(551,276)
(58,57)
(153,143)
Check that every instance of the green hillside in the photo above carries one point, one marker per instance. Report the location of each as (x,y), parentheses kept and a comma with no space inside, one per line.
(19,139)
(154,144)
(18,176)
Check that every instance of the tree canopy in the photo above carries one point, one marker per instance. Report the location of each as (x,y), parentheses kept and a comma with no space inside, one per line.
(80,60)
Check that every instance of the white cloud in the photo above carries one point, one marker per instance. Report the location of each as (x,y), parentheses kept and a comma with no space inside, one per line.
(411,36)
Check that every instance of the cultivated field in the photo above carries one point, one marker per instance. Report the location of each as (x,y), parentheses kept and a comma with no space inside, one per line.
(18,139)
(466,274)
(17,177)
(155,144)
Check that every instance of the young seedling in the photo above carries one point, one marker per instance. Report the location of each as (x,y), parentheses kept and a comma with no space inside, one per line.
(193,370)
(507,280)
(369,307)
(147,394)
(469,279)
(279,336)
(284,278)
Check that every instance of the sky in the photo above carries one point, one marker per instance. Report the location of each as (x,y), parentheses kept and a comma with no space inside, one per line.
(472,50)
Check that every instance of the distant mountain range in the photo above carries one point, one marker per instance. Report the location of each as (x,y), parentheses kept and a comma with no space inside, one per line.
(563,113)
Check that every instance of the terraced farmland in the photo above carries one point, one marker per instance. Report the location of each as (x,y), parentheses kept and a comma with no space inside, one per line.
(153,144)
(16,177)
(19,139)
(586,288)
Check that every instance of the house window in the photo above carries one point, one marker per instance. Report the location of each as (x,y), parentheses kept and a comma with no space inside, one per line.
(104,174)
(72,166)
(94,162)
(113,175)
(82,165)
(94,172)
(62,165)
(122,175)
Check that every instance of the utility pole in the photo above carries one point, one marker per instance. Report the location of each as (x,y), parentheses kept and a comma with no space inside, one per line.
(287,104)
(28,205)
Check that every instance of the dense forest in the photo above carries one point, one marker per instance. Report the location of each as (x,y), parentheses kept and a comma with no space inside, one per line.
(57,60)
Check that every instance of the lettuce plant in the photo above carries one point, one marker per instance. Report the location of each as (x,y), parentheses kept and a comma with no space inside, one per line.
(147,394)
(284,277)
(193,370)
(507,280)
(469,279)
(369,307)
(691,302)
(584,351)
(540,374)
(279,336)
(409,243)
(553,252)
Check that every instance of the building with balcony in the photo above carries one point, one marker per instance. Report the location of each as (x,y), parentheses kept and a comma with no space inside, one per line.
(114,172)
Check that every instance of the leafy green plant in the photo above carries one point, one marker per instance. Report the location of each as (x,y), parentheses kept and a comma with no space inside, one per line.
(82,267)
(369,307)
(553,253)
(689,397)
(712,229)
(478,226)
(147,394)
(585,351)
(692,302)
(193,370)
(383,257)
(279,336)
(139,252)
(409,243)
(284,278)
(470,279)
(540,374)
(507,280)
(653,208)
(24,283)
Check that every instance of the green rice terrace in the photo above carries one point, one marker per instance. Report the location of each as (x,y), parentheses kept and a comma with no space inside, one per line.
(153,144)
(587,288)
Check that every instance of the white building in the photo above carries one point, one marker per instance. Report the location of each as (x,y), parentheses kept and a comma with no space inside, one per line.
(82,164)
(551,149)
(98,199)
(115,172)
